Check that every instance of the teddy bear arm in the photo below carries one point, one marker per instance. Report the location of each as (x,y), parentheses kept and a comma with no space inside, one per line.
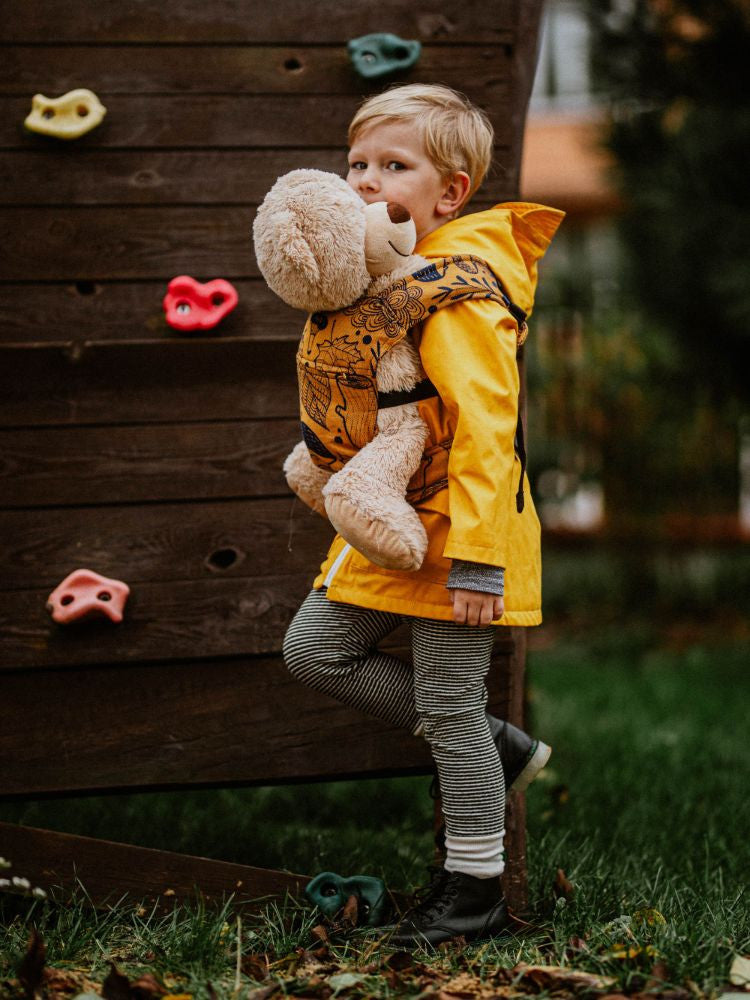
(305,478)
(400,369)
(365,501)
(393,455)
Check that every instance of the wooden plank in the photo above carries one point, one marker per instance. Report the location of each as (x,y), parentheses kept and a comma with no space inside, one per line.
(210,121)
(158,177)
(117,465)
(159,542)
(168,620)
(284,21)
(234,69)
(187,724)
(109,871)
(143,382)
(92,243)
(125,311)
(194,723)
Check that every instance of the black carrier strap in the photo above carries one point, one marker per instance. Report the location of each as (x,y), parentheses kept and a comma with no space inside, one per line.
(422,390)
(519,443)
(520,446)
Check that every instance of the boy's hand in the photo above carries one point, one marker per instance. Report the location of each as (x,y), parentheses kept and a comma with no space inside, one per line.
(473,607)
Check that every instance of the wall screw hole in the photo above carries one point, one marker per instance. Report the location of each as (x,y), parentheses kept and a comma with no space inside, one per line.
(223,559)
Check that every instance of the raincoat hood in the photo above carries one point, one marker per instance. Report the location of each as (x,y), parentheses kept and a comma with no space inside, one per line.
(511,237)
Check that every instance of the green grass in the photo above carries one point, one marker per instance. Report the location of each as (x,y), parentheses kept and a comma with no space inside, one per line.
(644,806)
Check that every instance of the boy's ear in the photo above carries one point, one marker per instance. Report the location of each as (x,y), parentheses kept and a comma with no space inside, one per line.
(455,194)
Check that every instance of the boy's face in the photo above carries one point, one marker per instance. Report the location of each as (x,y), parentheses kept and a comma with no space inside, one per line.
(388,162)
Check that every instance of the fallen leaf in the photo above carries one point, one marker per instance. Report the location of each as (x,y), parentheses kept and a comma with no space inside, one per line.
(320,932)
(563,887)
(648,916)
(255,966)
(623,951)
(658,976)
(463,985)
(344,980)
(116,986)
(550,976)
(60,982)
(576,943)
(146,987)
(739,973)
(400,961)
(172,979)
(31,967)
(350,914)
(262,993)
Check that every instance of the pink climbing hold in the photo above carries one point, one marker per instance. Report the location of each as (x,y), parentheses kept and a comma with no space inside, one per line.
(189,305)
(85,594)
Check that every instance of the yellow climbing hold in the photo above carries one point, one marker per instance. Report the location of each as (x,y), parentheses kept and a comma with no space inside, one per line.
(67,117)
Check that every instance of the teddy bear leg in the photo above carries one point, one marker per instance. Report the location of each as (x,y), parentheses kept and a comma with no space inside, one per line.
(365,501)
(305,478)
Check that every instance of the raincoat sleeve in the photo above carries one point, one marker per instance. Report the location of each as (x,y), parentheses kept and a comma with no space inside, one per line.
(469,353)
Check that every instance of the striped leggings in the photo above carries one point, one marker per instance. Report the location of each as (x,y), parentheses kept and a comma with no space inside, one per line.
(331,647)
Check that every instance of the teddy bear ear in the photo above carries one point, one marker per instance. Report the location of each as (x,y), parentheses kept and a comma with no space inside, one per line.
(296,249)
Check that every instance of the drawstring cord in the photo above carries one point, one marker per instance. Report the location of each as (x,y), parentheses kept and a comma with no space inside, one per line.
(520,447)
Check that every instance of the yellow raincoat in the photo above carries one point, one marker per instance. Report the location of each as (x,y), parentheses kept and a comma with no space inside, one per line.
(469,353)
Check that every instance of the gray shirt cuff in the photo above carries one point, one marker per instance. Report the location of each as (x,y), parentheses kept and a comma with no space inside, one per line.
(476,576)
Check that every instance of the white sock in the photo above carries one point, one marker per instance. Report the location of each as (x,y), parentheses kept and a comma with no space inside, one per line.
(479,856)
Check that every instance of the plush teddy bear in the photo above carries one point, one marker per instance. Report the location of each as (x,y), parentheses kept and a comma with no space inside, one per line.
(322,249)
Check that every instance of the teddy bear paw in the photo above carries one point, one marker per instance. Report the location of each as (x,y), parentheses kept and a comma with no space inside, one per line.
(394,538)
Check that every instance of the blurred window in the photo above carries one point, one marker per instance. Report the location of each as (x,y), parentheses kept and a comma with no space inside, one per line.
(563,77)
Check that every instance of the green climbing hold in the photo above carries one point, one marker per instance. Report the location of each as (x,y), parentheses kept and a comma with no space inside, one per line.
(329,892)
(382,53)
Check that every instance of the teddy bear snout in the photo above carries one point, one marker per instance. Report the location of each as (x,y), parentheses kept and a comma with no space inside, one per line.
(397,213)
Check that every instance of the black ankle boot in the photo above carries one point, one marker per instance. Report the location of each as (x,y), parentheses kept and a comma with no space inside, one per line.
(521,756)
(453,904)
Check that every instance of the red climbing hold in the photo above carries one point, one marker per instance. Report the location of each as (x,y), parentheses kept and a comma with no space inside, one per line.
(85,594)
(189,305)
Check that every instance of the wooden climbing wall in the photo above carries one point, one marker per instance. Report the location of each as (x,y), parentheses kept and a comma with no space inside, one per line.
(156,458)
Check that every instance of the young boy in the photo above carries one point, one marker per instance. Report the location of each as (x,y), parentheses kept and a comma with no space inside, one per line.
(428,148)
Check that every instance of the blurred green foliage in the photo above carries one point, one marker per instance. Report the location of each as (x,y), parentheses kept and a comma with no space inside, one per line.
(675,75)
(610,400)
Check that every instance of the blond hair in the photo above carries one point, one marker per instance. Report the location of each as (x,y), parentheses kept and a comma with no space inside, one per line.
(456,134)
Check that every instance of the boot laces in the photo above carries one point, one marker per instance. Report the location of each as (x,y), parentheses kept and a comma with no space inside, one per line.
(431,900)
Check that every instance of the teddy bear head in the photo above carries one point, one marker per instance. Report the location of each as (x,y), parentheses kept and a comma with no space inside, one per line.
(319,245)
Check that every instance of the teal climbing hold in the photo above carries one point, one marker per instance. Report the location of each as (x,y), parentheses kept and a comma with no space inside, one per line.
(329,892)
(382,53)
